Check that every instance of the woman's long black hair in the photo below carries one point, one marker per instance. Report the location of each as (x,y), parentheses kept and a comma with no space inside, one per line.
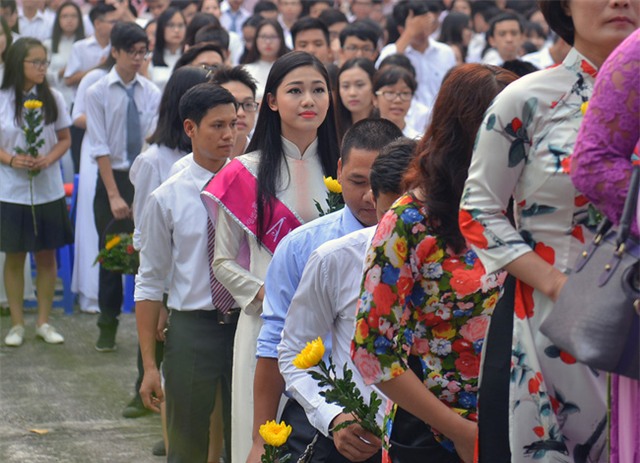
(169,131)
(253,55)
(8,37)
(344,119)
(268,131)
(56,35)
(14,79)
(157,58)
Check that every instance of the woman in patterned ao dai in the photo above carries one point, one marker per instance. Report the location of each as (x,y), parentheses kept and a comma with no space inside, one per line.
(557,407)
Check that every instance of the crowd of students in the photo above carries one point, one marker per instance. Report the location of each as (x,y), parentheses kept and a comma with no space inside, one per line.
(205,129)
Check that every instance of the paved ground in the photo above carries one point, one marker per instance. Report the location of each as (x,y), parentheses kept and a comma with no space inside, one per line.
(74,393)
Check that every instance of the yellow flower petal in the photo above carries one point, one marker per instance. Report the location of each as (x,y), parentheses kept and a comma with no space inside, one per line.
(112,242)
(583,107)
(33,104)
(310,355)
(275,434)
(332,185)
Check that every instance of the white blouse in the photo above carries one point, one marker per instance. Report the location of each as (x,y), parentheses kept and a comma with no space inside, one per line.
(160,75)
(59,62)
(14,183)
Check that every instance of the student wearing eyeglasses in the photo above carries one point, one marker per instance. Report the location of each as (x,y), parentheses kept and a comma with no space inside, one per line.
(33,213)
(393,90)
(121,111)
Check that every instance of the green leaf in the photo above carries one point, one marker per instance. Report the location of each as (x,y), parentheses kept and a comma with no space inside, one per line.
(529,110)
(516,152)
(491,122)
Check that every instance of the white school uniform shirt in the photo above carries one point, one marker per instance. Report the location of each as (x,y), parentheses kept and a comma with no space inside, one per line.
(431,67)
(541,59)
(418,116)
(174,243)
(39,27)
(58,61)
(259,70)
(160,75)
(85,54)
(226,18)
(14,183)
(148,171)
(106,109)
(325,304)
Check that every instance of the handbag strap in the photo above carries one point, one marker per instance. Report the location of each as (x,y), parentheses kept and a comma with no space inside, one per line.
(629,210)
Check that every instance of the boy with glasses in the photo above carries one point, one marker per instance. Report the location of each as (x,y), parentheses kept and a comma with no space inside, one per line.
(121,110)
(358,40)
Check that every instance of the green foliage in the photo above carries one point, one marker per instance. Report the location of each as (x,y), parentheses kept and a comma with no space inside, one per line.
(118,255)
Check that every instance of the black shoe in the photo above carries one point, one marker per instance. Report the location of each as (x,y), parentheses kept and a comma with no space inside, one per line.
(107,339)
(135,408)
(158,449)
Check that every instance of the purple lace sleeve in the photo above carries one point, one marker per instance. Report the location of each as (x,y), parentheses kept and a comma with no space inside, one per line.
(601,164)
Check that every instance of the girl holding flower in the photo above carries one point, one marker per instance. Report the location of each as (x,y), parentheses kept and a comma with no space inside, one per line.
(422,315)
(33,212)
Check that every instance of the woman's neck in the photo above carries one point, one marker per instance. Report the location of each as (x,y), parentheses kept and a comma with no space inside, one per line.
(28,87)
(596,54)
(302,140)
(173,49)
(268,60)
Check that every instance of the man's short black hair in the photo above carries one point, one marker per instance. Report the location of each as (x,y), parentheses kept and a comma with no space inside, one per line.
(504,17)
(198,100)
(369,135)
(238,74)
(387,171)
(125,35)
(264,5)
(213,34)
(332,16)
(398,59)
(98,11)
(361,30)
(309,24)
(419,7)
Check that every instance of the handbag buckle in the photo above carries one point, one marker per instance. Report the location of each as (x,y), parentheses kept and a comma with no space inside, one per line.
(621,249)
(636,306)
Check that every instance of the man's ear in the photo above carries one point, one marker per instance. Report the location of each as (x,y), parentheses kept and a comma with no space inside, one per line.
(189,127)
(339,171)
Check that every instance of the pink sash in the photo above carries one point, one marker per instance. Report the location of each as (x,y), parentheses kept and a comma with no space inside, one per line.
(235,189)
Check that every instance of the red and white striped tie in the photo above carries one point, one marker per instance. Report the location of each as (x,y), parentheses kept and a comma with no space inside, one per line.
(221,298)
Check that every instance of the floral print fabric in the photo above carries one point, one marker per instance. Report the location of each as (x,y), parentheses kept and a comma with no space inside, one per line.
(523,148)
(419,297)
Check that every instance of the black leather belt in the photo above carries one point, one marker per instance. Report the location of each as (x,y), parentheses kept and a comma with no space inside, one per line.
(229,318)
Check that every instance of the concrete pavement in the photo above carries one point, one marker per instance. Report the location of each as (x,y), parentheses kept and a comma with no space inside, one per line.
(74,393)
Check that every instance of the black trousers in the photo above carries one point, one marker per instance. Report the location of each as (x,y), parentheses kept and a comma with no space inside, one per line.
(303,433)
(110,289)
(198,356)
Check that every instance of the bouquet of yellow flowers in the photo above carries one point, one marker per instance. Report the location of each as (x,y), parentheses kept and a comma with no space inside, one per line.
(32,135)
(275,435)
(342,391)
(334,200)
(118,254)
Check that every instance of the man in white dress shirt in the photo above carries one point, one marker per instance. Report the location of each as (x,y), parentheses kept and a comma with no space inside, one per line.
(33,22)
(122,109)
(86,54)
(416,22)
(325,303)
(233,15)
(198,353)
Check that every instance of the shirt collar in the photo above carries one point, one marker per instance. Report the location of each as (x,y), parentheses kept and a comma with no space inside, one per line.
(292,151)
(38,16)
(577,62)
(113,77)
(199,174)
(349,221)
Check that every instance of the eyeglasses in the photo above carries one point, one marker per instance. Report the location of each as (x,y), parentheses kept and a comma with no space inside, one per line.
(138,53)
(356,49)
(38,63)
(176,25)
(390,96)
(248,106)
(269,38)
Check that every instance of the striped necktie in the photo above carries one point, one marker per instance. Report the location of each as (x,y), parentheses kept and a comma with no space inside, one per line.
(222,300)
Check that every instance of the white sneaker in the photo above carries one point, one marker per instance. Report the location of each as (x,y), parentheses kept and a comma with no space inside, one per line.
(49,334)
(15,336)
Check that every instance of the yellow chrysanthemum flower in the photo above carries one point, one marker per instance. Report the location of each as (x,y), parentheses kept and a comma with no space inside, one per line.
(275,434)
(112,242)
(583,107)
(333,185)
(310,355)
(33,104)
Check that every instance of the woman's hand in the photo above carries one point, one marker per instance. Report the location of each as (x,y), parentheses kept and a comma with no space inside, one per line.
(23,161)
(465,439)
(41,162)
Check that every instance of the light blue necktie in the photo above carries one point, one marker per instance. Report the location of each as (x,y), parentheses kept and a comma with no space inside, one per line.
(134,131)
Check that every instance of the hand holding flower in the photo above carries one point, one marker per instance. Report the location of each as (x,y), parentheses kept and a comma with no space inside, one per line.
(354,442)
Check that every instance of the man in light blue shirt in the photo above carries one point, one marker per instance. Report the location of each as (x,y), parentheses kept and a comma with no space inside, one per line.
(360,147)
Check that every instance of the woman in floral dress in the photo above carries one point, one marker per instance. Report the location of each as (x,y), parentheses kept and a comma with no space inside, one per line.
(426,301)
(557,407)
